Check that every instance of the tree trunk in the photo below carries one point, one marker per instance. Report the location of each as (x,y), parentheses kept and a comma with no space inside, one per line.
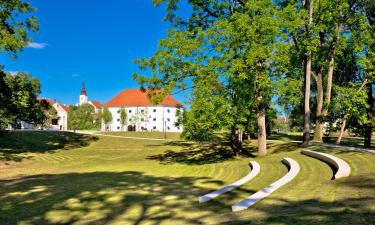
(342,130)
(318,134)
(345,117)
(370,114)
(262,139)
(306,127)
(236,141)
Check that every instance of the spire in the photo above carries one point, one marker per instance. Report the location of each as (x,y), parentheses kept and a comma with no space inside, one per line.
(83,90)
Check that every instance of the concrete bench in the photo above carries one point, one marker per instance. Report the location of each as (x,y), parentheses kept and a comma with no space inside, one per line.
(255,169)
(252,199)
(343,169)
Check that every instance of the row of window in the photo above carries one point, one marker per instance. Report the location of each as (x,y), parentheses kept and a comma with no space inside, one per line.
(142,111)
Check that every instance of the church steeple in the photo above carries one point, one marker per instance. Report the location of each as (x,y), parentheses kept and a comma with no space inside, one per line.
(83,99)
(83,90)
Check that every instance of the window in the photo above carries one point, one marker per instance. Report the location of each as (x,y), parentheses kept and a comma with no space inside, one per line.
(130,111)
(154,128)
(142,119)
(168,111)
(154,110)
(154,119)
(118,111)
(142,111)
(118,120)
(118,128)
(130,120)
(168,119)
(168,128)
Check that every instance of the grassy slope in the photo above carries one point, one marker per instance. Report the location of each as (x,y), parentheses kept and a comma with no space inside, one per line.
(123,181)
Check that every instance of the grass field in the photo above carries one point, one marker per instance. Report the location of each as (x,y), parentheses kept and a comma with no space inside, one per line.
(65,178)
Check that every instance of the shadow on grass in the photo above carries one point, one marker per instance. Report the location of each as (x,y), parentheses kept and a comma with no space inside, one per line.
(103,197)
(197,153)
(14,143)
(136,198)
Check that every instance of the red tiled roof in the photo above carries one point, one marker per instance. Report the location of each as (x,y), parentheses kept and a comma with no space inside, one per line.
(135,97)
(97,104)
(65,107)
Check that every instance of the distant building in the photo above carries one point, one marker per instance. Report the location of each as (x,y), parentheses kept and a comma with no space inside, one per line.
(83,99)
(61,123)
(142,115)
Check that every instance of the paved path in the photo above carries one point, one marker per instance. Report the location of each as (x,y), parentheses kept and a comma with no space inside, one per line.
(348,148)
(124,137)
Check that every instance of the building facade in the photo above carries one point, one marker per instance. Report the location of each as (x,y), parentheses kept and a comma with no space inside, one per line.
(142,115)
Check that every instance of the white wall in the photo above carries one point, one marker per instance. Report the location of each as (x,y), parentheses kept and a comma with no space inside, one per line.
(158,118)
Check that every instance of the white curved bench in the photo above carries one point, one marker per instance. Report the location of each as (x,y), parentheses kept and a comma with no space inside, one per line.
(255,169)
(343,169)
(252,199)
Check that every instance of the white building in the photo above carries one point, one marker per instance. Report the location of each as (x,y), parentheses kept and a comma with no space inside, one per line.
(61,122)
(142,115)
(84,99)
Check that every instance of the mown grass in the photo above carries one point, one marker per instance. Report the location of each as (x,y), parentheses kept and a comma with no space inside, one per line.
(146,134)
(124,181)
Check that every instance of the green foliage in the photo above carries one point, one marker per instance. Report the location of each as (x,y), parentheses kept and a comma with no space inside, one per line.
(49,113)
(106,116)
(15,24)
(81,117)
(229,60)
(123,117)
(18,100)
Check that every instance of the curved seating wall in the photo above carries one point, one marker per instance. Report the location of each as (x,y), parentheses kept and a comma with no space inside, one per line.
(252,199)
(343,169)
(255,169)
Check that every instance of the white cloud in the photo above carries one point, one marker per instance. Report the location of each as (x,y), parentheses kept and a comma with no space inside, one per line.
(13,73)
(36,45)
(76,75)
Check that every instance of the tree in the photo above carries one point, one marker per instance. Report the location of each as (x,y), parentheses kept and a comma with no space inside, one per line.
(232,42)
(15,26)
(106,117)
(81,117)
(49,113)
(123,117)
(19,100)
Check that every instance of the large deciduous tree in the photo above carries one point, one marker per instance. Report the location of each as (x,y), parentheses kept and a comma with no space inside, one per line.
(227,52)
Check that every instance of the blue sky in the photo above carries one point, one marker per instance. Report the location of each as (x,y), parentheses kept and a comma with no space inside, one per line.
(93,41)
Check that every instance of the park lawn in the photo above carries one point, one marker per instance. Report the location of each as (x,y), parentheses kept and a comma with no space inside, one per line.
(109,180)
(146,134)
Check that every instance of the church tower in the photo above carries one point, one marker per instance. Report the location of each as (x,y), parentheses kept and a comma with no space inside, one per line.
(83,96)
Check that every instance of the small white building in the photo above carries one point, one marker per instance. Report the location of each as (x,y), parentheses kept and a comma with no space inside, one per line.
(84,99)
(142,115)
(61,122)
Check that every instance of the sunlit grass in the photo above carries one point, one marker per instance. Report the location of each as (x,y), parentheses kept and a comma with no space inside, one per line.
(125,181)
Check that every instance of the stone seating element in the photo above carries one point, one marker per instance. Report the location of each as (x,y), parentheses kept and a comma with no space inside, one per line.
(343,169)
(255,169)
(252,199)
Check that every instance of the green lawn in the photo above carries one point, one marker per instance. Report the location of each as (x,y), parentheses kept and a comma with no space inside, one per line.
(80,179)
(147,134)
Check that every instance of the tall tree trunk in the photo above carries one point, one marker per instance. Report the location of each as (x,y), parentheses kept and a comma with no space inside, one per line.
(318,134)
(342,130)
(262,139)
(261,118)
(236,141)
(370,114)
(307,120)
(323,111)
